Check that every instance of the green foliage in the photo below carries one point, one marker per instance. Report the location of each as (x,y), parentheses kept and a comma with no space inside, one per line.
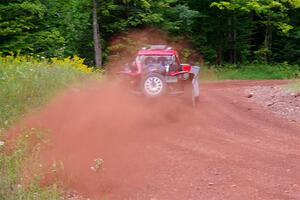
(18,19)
(234,31)
(272,14)
(261,54)
(48,43)
(179,19)
(185,54)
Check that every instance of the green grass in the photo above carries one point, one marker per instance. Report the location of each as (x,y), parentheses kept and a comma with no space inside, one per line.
(208,74)
(16,183)
(295,87)
(26,84)
(257,72)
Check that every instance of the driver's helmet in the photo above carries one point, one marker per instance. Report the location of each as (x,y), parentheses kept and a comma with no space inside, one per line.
(169,60)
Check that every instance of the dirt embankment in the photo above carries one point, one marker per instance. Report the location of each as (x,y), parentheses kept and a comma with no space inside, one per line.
(123,47)
(227,148)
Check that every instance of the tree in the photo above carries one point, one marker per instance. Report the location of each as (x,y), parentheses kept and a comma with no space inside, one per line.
(233,31)
(18,23)
(271,13)
(97,45)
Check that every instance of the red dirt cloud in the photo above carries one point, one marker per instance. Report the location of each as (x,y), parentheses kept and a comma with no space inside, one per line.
(165,150)
(105,122)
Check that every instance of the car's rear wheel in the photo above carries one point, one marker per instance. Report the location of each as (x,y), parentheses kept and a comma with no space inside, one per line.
(153,85)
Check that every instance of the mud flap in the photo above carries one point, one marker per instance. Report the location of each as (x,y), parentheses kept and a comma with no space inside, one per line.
(195,71)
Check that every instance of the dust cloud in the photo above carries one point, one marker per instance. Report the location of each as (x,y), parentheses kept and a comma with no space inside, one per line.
(104,121)
(101,136)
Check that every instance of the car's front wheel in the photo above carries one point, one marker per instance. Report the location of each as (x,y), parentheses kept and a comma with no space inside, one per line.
(153,85)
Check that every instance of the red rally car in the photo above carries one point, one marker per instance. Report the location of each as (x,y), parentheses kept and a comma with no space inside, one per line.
(157,71)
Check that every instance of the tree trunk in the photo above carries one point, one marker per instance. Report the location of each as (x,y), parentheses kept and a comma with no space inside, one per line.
(97,45)
(219,55)
(234,39)
(230,39)
(268,38)
(235,47)
(221,38)
(268,42)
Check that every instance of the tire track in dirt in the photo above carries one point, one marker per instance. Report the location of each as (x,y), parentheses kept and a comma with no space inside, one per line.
(165,150)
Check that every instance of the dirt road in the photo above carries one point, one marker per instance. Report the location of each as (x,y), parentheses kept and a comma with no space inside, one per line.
(226,149)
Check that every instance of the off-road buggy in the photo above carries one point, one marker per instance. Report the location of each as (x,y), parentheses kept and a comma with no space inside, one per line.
(157,71)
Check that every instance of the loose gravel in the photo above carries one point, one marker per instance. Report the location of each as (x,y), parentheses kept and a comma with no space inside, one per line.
(276,99)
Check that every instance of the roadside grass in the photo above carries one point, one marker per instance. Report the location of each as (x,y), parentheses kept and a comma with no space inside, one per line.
(27,83)
(208,74)
(257,72)
(294,87)
(16,183)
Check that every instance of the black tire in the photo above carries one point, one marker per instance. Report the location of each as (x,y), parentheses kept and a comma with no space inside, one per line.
(189,97)
(153,85)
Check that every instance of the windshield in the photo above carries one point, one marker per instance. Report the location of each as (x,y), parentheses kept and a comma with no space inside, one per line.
(163,60)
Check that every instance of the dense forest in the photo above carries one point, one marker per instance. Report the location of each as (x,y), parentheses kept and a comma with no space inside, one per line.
(235,31)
